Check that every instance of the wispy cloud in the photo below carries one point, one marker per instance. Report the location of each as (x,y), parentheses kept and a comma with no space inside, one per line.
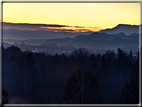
(66,29)
(48,27)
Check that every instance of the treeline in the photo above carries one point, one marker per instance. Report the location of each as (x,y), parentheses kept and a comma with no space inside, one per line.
(81,77)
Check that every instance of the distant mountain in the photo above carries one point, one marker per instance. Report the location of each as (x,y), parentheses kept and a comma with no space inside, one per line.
(100,40)
(119,36)
(39,34)
(42,34)
(127,29)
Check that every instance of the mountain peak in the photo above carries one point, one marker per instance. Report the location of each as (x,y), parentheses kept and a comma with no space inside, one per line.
(125,28)
(125,25)
(121,33)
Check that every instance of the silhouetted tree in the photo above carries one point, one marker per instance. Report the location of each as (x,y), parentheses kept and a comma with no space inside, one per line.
(92,59)
(82,87)
(12,50)
(30,61)
(4,97)
(63,58)
(130,56)
(130,92)
(104,64)
(51,71)
(81,55)
(107,60)
(110,56)
(56,59)
(72,60)
(122,63)
(12,58)
(31,78)
(121,54)
(99,59)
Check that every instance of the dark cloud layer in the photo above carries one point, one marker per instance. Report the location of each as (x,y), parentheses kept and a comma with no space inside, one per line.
(37,25)
(46,27)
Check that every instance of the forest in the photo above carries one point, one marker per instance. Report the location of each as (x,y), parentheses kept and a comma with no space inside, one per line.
(78,78)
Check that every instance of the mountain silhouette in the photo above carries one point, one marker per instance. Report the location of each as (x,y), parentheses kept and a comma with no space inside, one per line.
(125,28)
(100,40)
(119,36)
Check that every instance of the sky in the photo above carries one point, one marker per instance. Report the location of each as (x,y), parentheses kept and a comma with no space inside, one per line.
(69,17)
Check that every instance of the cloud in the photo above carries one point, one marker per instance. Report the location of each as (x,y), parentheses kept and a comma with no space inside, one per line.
(46,27)
(37,25)
(70,30)
(32,25)
(66,29)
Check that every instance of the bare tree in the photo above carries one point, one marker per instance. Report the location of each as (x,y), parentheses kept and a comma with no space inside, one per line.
(82,88)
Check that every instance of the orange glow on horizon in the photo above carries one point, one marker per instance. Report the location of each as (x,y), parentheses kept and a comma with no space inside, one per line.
(73,31)
(70,29)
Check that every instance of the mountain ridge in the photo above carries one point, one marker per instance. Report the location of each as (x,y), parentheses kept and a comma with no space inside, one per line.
(125,28)
(99,40)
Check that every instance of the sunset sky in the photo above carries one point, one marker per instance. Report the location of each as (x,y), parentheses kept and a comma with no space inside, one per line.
(72,17)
